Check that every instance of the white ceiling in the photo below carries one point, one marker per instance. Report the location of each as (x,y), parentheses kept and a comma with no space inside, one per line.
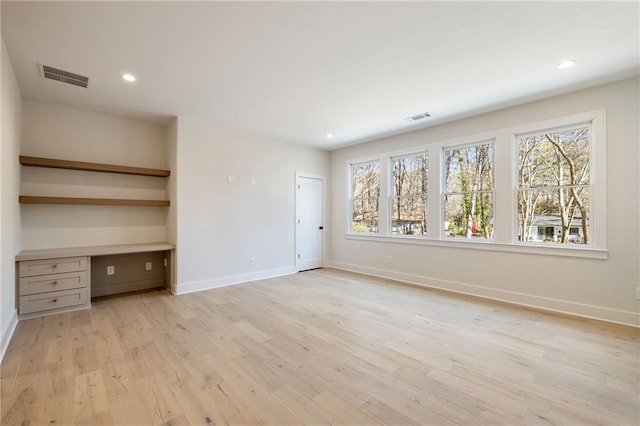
(297,71)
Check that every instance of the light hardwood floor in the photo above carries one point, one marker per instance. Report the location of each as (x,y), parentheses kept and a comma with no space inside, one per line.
(320,347)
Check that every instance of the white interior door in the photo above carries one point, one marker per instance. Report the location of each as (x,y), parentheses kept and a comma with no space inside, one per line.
(309,222)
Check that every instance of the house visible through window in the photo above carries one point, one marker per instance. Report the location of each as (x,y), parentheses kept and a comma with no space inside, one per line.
(365,197)
(409,201)
(554,185)
(468,192)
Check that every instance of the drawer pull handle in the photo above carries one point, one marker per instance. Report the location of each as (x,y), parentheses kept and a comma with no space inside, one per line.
(54,266)
(55,282)
(54,300)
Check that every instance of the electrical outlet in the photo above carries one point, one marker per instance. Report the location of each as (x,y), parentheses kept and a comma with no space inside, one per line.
(253,180)
(252,260)
(111,270)
(165,263)
(637,293)
(389,259)
(148,266)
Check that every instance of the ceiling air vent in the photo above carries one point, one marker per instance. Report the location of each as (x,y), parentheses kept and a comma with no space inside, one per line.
(64,76)
(418,117)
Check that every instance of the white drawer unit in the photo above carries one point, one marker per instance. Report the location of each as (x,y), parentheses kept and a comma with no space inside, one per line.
(53,266)
(50,286)
(47,303)
(53,282)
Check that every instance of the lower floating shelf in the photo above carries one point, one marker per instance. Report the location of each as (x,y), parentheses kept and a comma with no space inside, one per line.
(28,199)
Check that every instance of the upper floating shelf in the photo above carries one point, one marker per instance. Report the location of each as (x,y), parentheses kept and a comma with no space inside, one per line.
(91,167)
(29,199)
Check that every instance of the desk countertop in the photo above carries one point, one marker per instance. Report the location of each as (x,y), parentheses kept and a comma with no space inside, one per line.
(52,253)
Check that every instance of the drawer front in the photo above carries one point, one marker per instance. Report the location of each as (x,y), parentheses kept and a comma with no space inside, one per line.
(54,300)
(30,268)
(53,282)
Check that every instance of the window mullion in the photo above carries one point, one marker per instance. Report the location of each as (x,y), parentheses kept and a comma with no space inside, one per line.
(434,200)
(383,206)
(505,182)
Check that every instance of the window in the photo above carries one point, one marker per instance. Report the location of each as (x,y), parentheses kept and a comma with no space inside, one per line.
(409,200)
(365,197)
(554,186)
(530,188)
(468,192)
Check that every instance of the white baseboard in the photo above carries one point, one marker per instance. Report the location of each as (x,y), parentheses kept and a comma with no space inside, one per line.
(522,299)
(194,286)
(7,334)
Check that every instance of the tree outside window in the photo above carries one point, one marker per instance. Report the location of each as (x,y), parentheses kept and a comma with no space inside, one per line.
(365,197)
(553,186)
(409,201)
(469,192)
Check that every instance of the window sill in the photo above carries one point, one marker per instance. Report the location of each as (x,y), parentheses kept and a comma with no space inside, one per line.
(583,252)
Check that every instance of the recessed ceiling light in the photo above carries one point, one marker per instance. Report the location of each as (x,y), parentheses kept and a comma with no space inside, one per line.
(129,77)
(329,135)
(566,64)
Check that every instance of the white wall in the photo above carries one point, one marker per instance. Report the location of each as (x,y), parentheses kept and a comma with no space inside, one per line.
(57,132)
(171,136)
(172,146)
(11,116)
(596,288)
(220,224)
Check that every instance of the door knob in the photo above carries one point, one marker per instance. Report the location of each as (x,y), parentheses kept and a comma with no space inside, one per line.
(321,228)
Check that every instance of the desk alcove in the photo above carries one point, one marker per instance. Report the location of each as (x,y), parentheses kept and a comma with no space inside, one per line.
(51,281)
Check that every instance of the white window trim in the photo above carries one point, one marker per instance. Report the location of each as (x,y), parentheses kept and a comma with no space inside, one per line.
(505,190)
(581,252)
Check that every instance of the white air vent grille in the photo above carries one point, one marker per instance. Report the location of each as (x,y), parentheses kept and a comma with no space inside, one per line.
(63,76)
(418,117)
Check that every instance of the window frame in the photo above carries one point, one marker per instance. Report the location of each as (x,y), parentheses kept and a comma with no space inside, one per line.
(350,181)
(596,122)
(391,192)
(444,193)
(589,186)
(505,187)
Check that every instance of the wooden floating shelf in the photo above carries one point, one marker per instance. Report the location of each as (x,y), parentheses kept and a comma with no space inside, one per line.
(28,199)
(91,167)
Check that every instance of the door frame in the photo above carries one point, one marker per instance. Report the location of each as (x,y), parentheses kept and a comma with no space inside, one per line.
(322,178)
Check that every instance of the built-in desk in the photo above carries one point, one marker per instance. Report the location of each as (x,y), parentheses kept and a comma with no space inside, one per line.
(51,281)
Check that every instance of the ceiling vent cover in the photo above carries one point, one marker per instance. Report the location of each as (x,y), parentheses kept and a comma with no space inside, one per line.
(64,76)
(418,117)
